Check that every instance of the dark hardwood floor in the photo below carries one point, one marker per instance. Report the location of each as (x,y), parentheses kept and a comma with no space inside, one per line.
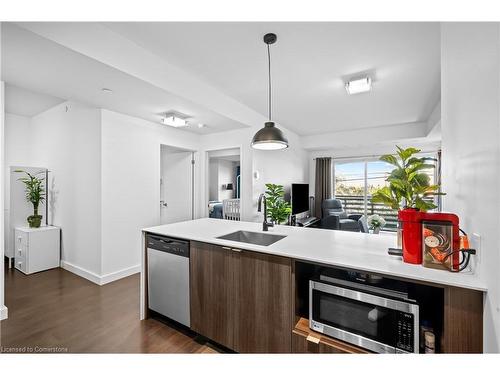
(57,311)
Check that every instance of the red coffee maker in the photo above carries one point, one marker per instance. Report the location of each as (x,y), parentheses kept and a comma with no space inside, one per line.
(410,222)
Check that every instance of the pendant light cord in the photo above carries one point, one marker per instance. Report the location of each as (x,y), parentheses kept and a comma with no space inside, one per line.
(269,71)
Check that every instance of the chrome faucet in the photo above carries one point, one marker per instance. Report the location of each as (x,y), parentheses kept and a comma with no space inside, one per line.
(265,224)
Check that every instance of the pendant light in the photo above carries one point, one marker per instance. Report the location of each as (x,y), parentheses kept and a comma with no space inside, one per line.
(269,137)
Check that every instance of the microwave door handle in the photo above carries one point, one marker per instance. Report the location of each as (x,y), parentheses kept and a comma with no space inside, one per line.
(364,297)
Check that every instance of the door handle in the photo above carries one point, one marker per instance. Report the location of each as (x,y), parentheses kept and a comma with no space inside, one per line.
(232,249)
(312,339)
(163,203)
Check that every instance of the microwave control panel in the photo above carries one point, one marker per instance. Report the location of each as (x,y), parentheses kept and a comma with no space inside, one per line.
(405,332)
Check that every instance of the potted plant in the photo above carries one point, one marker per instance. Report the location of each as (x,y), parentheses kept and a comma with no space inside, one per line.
(409,185)
(375,222)
(35,194)
(278,209)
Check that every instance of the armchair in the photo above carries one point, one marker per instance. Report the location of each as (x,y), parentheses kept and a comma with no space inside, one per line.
(335,217)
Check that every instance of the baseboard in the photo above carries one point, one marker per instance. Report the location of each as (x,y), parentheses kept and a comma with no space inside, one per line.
(4,312)
(97,279)
(113,276)
(82,272)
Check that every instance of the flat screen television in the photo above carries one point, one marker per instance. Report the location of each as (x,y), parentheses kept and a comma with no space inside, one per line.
(299,197)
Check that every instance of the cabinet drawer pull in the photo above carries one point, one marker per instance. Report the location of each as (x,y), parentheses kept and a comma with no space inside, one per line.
(314,340)
(237,250)
(226,248)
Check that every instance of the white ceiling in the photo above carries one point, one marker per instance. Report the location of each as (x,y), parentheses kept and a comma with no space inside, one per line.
(40,65)
(27,103)
(310,62)
(221,77)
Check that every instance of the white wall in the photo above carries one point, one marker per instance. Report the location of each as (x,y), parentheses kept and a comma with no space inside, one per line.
(280,167)
(225,176)
(131,184)
(3,309)
(239,139)
(213,180)
(18,147)
(17,153)
(66,139)
(104,181)
(221,172)
(470,76)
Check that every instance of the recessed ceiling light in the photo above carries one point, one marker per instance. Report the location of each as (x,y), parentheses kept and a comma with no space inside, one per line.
(357,86)
(105,89)
(172,120)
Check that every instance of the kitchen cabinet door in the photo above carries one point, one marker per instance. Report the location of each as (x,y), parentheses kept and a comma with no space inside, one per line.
(300,344)
(264,319)
(304,340)
(212,292)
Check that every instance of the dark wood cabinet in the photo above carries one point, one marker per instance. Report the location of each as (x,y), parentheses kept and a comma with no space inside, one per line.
(264,303)
(240,299)
(463,321)
(212,292)
(251,302)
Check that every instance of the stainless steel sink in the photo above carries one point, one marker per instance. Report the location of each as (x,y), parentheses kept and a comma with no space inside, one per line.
(256,238)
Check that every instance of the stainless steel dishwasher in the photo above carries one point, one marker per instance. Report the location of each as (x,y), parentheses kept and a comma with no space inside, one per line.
(168,277)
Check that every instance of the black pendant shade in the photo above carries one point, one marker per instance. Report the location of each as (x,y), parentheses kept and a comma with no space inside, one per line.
(269,137)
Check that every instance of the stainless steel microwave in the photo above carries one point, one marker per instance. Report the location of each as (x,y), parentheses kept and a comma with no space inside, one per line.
(372,318)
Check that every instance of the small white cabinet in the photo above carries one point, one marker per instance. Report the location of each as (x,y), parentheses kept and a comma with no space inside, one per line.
(37,249)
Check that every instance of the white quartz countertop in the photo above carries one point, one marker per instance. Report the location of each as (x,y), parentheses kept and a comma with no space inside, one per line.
(358,251)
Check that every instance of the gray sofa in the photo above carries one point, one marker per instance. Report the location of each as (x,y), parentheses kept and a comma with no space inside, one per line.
(335,217)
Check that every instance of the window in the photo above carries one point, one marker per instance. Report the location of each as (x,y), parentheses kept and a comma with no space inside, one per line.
(349,186)
(356,180)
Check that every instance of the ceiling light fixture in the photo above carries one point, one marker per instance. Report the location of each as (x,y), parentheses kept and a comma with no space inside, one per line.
(172,120)
(357,86)
(269,137)
(105,89)
(201,125)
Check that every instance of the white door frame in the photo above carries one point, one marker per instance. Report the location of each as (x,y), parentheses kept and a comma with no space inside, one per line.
(206,192)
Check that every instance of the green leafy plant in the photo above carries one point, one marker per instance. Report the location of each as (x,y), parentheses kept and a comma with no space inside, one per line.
(409,185)
(35,194)
(278,209)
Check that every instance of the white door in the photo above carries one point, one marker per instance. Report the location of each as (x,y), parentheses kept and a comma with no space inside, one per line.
(176,186)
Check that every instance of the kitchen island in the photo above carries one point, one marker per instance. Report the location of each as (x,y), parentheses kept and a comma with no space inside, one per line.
(275,266)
